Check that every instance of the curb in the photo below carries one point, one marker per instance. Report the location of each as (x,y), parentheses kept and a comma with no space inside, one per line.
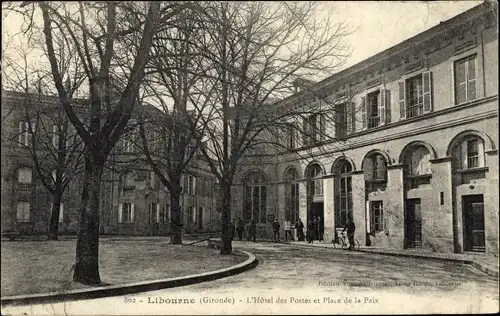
(123,289)
(476,265)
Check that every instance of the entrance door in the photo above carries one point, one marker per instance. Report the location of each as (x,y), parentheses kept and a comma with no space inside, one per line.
(473,222)
(413,224)
(316,211)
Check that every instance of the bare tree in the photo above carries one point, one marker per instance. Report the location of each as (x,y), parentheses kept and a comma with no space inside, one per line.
(256,52)
(98,31)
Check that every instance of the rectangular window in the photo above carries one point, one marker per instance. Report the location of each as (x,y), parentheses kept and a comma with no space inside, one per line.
(465,80)
(377,216)
(372,107)
(23,212)
(61,211)
(441,198)
(126,213)
(291,140)
(24,133)
(166,213)
(341,121)
(414,96)
(190,185)
(472,153)
(24,175)
(154,213)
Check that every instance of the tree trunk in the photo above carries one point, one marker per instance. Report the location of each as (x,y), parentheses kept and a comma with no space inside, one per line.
(227,234)
(176,216)
(87,243)
(54,217)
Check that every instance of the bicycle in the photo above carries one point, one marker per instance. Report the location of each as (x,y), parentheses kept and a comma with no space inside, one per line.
(344,242)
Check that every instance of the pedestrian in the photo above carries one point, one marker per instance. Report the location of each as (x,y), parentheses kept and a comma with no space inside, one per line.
(351,228)
(240,225)
(233,229)
(300,230)
(253,229)
(320,229)
(276,230)
(287,225)
(309,235)
(248,231)
(315,229)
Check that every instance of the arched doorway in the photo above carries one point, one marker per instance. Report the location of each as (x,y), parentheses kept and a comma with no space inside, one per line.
(315,212)
(343,193)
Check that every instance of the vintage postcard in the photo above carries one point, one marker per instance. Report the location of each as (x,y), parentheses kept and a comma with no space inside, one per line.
(249,158)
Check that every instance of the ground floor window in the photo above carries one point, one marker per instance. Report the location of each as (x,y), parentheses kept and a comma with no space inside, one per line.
(255,203)
(377,216)
(23,212)
(154,213)
(126,213)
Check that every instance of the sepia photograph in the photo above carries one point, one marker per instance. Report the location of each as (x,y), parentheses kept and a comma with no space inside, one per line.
(249,158)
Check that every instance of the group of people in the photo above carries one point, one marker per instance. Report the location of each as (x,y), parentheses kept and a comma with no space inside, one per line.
(315,230)
(249,228)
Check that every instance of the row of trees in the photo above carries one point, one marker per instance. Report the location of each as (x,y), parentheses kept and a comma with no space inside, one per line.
(215,69)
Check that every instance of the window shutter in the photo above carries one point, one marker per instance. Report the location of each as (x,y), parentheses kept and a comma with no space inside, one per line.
(381,107)
(402,101)
(61,213)
(427,93)
(194,186)
(157,212)
(387,112)
(322,127)
(363,112)
(22,135)
(55,141)
(368,169)
(350,118)
(120,213)
(463,151)
(372,219)
(132,207)
(480,150)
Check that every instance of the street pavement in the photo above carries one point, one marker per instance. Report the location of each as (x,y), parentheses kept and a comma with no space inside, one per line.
(293,279)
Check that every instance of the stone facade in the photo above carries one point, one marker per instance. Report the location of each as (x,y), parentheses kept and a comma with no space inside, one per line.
(199,213)
(432,192)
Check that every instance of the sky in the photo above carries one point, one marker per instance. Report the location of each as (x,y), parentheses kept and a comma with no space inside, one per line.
(377,25)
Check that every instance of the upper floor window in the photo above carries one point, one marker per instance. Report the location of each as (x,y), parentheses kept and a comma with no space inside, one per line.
(24,175)
(129,138)
(375,109)
(314,129)
(415,95)
(292,136)
(465,79)
(345,119)
(25,134)
(189,184)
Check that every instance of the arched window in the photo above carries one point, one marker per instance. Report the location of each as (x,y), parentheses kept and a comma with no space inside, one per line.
(343,193)
(291,196)
(315,180)
(375,168)
(255,197)
(469,153)
(417,166)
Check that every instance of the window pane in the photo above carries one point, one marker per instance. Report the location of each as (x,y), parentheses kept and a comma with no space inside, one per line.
(471,70)
(471,90)
(460,72)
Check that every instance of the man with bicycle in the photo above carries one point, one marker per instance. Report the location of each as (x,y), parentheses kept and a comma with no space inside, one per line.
(350,227)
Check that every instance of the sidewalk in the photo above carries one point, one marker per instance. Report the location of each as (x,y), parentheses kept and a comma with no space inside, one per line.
(487,263)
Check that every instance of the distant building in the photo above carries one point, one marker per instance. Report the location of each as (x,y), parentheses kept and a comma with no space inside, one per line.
(133,201)
(414,162)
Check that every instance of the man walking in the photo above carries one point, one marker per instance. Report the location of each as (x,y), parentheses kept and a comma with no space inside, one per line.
(253,229)
(300,230)
(287,225)
(350,227)
(276,230)
(240,225)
